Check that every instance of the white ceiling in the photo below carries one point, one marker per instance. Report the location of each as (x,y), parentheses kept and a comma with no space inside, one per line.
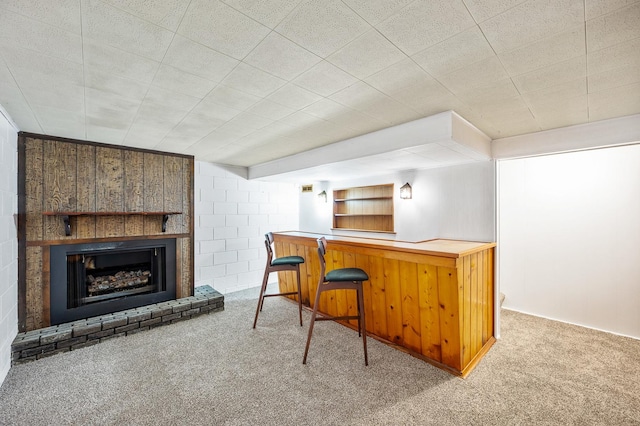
(244,82)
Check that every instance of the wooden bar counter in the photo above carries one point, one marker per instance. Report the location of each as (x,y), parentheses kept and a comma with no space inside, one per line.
(432,299)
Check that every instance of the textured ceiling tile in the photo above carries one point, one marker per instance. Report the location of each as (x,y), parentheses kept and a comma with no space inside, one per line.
(617,102)
(620,55)
(165,13)
(614,28)
(496,92)
(193,128)
(300,119)
(325,79)
(252,121)
(214,111)
(197,59)
(105,134)
(293,97)
(176,80)
(552,119)
(398,76)
(532,21)
(326,109)
(557,93)
(613,78)
(357,95)
(222,28)
(117,85)
(272,110)
(426,23)
(454,53)
(374,11)
(595,8)
(98,102)
(366,55)
(60,13)
(17,30)
(251,80)
(62,96)
(562,72)
(119,29)
(390,111)
(547,51)
(564,106)
(475,76)
(160,96)
(322,26)
(425,92)
(231,98)
(114,61)
(33,67)
(485,9)
(281,57)
(235,128)
(267,12)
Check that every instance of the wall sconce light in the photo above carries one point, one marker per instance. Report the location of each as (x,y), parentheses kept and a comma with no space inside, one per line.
(405,191)
(322,196)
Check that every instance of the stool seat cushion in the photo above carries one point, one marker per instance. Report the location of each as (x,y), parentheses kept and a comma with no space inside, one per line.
(347,274)
(287,260)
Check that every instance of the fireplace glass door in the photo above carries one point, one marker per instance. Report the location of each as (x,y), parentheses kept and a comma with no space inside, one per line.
(95,279)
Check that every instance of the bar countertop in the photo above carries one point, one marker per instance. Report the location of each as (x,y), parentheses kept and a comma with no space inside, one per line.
(436,247)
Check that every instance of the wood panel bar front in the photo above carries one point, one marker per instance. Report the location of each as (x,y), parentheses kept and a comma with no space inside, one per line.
(431,299)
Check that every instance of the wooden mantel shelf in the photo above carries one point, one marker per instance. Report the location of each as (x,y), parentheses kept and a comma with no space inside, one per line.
(67,225)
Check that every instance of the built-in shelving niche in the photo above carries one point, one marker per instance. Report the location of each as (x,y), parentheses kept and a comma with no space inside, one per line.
(364,208)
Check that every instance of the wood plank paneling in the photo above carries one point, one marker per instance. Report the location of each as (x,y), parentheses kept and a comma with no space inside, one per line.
(153,191)
(408,280)
(34,154)
(110,192)
(34,296)
(59,185)
(173,187)
(85,226)
(448,299)
(429,311)
(134,192)
(437,310)
(77,176)
(393,300)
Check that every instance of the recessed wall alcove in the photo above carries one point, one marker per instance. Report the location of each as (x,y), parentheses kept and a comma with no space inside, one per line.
(82,194)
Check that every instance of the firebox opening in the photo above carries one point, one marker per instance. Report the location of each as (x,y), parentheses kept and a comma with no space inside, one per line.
(100,278)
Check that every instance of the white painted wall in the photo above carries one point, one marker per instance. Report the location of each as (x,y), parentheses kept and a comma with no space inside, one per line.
(232,214)
(455,202)
(8,243)
(569,237)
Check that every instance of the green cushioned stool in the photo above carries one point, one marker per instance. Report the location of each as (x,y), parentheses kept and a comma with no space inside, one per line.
(339,279)
(286,263)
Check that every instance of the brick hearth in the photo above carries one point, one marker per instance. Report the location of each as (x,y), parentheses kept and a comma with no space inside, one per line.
(66,337)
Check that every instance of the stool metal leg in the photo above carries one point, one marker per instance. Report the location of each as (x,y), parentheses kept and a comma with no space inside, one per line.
(361,325)
(263,288)
(313,321)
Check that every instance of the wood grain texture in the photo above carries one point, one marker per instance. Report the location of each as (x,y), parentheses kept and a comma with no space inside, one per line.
(85,227)
(133,192)
(59,184)
(440,311)
(34,157)
(63,175)
(110,191)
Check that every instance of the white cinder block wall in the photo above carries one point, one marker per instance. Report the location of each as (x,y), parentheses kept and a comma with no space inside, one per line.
(232,214)
(8,243)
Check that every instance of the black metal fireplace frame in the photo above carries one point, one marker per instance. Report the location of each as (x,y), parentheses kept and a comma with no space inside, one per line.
(59,309)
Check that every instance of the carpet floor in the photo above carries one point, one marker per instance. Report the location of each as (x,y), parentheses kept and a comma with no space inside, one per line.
(217,370)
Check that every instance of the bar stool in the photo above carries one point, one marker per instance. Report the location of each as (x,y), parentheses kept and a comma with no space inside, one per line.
(288,263)
(339,279)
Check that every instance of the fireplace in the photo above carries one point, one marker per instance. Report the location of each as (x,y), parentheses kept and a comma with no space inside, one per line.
(94,279)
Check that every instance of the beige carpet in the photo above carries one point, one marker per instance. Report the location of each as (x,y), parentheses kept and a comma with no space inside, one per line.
(217,370)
